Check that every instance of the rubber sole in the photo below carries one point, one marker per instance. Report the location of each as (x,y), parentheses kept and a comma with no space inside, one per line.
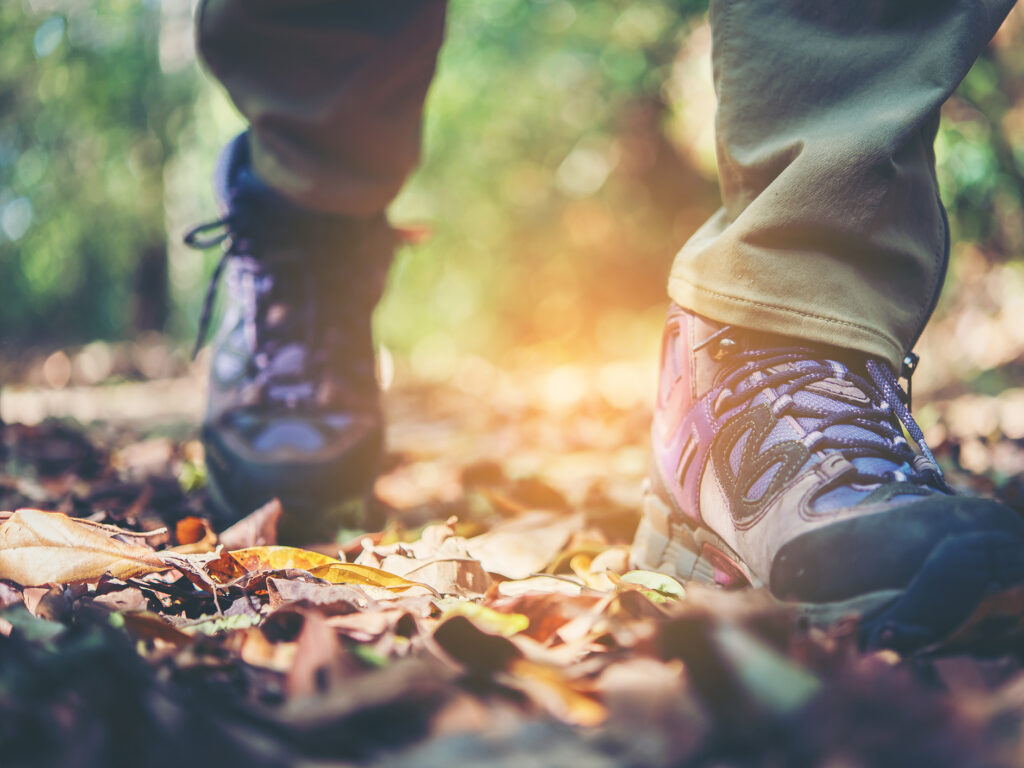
(969,592)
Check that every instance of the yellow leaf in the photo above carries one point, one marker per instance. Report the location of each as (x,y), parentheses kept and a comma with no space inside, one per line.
(279,558)
(351,573)
(488,619)
(38,548)
(553,691)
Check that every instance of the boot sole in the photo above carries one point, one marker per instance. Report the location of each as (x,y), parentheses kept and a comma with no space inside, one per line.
(959,598)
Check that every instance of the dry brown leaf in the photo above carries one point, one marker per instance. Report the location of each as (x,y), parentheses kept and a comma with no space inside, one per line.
(320,660)
(365,627)
(448,575)
(258,651)
(224,568)
(550,584)
(329,598)
(258,529)
(39,548)
(46,602)
(208,571)
(127,600)
(144,625)
(550,689)
(9,595)
(547,612)
(194,535)
(525,545)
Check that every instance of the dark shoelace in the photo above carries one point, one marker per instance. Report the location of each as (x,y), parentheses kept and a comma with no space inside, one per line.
(888,404)
(194,238)
(255,290)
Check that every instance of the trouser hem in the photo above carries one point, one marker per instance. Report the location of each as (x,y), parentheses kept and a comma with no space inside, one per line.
(777,318)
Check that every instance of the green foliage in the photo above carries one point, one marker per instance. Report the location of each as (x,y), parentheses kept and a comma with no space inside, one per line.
(552,178)
(87,123)
(554,195)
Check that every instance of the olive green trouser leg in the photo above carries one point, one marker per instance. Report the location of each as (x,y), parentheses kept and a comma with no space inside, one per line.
(831,227)
(333,91)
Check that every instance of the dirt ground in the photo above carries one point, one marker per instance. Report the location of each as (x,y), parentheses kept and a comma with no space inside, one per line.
(483,614)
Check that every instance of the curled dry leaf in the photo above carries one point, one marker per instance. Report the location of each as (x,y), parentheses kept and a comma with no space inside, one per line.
(551,584)
(208,571)
(524,545)
(258,529)
(329,598)
(39,548)
(450,575)
(194,536)
(550,689)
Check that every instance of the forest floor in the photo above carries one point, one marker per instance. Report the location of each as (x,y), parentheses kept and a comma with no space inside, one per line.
(490,618)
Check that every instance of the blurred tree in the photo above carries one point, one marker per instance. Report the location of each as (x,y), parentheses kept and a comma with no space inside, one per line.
(556,196)
(567,158)
(87,123)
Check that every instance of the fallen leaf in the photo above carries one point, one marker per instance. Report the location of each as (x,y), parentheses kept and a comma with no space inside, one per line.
(258,529)
(549,612)
(194,536)
(352,573)
(320,660)
(488,619)
(523,546)
(144,625)
(9,595)
(656,586)
(471,646)
(364,627)
(582,566)
(552,691)
(615,559)
(329,598)
(448,575)
(278,558)
(551,584)
(39,548)
(208,571)
(258,651)
(215,625)
(127,600)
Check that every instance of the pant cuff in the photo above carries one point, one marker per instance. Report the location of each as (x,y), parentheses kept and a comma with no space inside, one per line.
(765,315)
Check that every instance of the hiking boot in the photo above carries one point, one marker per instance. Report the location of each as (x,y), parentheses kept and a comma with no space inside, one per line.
(784,465)
(293,408)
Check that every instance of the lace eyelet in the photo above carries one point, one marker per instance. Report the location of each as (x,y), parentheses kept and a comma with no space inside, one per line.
(724,347)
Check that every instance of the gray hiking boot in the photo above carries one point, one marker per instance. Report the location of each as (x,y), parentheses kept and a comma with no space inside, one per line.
(785,465)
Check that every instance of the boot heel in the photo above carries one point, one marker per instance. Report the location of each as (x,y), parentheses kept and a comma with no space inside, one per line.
(671,544)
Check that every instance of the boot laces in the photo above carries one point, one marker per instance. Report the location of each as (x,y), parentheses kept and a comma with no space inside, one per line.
(285,366)
(878,434)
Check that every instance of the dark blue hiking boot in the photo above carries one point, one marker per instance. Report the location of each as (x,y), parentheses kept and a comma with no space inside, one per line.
(294,407)
(787,466)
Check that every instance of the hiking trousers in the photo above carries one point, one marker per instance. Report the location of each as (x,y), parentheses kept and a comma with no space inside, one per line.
(831,228)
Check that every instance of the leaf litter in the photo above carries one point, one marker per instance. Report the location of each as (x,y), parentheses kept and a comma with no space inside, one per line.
(497,626)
